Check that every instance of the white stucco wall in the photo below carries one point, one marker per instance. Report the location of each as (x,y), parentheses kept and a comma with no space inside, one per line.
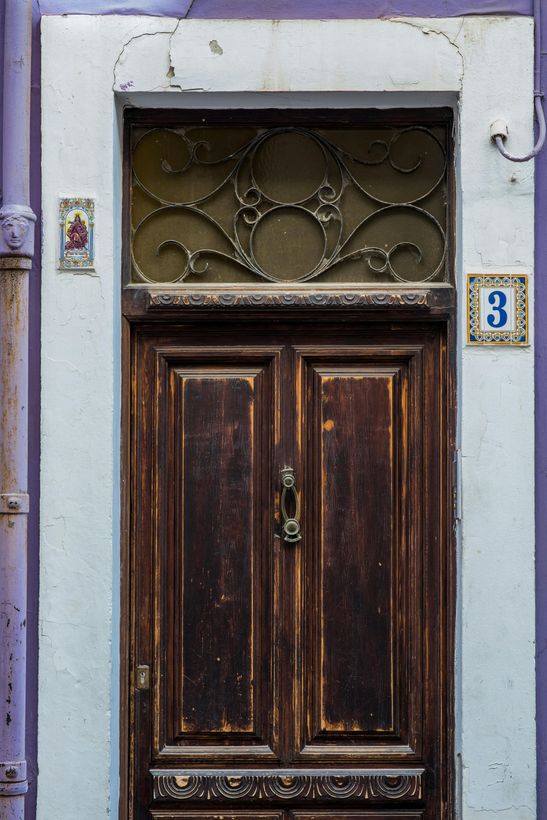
(92,65)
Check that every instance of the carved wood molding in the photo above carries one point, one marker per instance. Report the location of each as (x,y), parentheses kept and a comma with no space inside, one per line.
(172,299)
(311,784)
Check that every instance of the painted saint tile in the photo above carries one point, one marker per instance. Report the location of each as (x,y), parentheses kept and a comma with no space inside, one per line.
(76,233)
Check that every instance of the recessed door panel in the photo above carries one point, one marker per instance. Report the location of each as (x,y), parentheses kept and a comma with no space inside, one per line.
(218,461)
(363,630)
(367,815)
(355,629)
(215,654)
(207,815)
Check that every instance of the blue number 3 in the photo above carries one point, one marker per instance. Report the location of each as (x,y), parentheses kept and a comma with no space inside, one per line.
(498,300)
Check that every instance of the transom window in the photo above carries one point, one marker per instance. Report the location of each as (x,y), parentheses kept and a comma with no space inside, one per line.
(290,202)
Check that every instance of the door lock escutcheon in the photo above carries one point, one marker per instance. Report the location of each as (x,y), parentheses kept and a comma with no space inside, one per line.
(142,677)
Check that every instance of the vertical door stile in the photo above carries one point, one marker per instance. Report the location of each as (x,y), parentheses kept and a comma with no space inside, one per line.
(289,561)
(307,539)
(273,525)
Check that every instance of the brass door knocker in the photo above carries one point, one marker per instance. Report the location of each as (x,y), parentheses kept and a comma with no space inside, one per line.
(291,524)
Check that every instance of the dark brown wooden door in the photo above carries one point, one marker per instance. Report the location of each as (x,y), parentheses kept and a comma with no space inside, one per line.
(272,679)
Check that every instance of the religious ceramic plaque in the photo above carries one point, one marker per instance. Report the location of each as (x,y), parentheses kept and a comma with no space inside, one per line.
(497,309)
(76,233)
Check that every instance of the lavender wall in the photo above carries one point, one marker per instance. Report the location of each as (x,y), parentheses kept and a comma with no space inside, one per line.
(284,9)
(34,414)
(541,453)
(34,425)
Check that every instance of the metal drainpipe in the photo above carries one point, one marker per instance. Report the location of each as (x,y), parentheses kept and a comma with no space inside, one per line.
(16,252)
(499,131)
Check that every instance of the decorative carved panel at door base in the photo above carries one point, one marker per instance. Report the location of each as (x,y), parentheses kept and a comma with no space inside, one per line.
(290,784)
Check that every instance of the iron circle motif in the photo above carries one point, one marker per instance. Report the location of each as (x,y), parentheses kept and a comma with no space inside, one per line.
(283,219)
(398,137)
(154,137)
(315,153)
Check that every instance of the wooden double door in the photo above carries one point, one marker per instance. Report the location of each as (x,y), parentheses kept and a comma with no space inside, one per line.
(291,601)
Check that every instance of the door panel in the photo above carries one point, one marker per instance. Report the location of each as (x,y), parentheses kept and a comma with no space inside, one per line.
(218,462)
(298,675)
(356,595)
(214,657)
(298,815)
(363,633)
(207,815)
(367,815)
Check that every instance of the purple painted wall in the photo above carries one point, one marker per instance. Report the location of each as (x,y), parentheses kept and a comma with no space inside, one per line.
(287,9)
(34,426)
(34,416)
(284,9)
(541,452)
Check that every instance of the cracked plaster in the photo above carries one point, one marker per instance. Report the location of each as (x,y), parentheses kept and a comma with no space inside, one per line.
(157,60)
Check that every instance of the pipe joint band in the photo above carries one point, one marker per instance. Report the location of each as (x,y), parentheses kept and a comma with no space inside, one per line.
(13,789)
(15,264)
(14,504)
(13,778)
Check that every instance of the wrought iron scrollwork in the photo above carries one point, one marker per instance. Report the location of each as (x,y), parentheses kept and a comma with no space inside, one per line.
(328,202)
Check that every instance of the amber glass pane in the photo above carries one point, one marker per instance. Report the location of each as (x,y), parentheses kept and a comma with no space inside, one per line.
(256,205)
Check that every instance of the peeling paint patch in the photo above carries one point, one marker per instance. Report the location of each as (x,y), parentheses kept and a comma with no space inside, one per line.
(215,48)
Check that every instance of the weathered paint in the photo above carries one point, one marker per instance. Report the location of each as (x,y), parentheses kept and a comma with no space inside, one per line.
(487,63)
(13,532)
(33,416)
(16,249)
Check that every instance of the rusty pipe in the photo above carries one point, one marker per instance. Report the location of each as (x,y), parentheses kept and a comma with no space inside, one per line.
(16,252)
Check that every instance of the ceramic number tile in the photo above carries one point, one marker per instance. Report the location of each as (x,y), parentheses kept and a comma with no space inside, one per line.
(497,309)
(76,234)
